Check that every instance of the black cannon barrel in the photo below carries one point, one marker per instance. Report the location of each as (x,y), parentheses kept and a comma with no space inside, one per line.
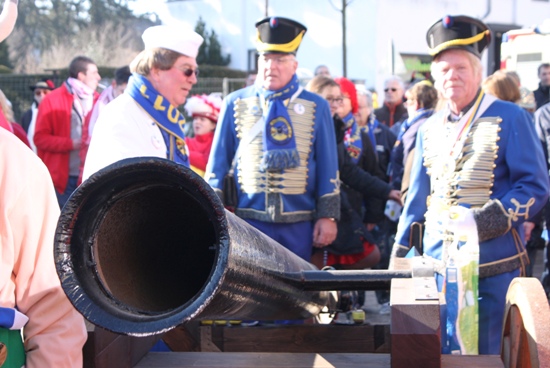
(145,245)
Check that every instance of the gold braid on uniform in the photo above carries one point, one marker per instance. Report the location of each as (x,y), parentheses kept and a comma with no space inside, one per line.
(472,180)
(286,182)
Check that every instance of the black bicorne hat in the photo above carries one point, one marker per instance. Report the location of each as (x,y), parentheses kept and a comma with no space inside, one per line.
(458,32)
(280,35)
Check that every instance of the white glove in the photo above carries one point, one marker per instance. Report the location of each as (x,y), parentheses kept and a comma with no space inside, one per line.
(460,221)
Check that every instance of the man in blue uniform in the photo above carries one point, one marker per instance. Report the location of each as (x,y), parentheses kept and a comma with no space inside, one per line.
(282,140)
(479,158)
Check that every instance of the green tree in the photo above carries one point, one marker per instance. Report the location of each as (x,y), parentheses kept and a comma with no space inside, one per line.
(210,52)
(215,56)
(4,55)
(200,28)
(102,12)
(46,24)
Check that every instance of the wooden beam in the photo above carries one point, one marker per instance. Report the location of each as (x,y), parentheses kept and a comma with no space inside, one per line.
(297,338)
(105,349)
(299,360)
(415,328)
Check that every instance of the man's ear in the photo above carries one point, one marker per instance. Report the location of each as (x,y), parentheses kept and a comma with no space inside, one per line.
(154,73)
(295,65)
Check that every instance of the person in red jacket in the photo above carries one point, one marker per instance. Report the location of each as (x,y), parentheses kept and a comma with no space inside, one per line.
(204,110)
(58,132)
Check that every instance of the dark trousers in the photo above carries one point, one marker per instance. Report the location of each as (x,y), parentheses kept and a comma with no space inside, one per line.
(535,243)
(62,198)
(384,235)
(296,237)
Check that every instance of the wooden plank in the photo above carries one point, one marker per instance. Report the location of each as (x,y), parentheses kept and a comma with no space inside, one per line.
(302,338)
(299,360)
(382,339)
(206,343)
(183,338)
(105,349)
(415,328)
(477,361)
(263,360)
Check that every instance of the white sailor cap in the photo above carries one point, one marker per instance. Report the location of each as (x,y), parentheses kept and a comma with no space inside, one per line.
(186,42)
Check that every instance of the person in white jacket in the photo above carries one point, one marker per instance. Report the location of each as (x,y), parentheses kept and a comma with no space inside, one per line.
(144,120)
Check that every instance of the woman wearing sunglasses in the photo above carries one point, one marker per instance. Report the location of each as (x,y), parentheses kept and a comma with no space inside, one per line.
(144,120)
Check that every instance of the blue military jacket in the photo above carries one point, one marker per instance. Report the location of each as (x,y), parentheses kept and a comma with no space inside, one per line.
(303,193)
(499,171)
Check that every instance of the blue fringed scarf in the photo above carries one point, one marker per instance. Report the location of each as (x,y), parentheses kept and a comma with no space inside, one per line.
(420,114)
(352,138)
(167,117)
(278,135)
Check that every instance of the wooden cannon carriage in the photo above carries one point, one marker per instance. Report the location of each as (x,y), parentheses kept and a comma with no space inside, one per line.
(145,245)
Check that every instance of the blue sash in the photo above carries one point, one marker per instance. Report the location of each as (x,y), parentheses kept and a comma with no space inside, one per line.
(278,133)
(168,118)
(352,138)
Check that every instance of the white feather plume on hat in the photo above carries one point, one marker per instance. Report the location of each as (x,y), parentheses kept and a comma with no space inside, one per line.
(207,106)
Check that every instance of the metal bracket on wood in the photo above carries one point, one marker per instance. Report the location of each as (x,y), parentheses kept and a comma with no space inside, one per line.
(425,287)
(422,267)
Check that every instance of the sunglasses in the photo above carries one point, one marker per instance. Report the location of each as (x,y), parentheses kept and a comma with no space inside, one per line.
(390,89)
(189,72)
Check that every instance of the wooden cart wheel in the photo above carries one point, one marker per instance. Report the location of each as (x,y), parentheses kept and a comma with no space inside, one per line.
(526,332)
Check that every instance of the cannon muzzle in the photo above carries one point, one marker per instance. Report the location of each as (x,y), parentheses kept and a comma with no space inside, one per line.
(145,245)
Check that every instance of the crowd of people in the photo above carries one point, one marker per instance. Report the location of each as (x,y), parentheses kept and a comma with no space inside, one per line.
(317,167)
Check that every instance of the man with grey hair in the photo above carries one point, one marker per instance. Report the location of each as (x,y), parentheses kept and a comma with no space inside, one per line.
(279,140)
(393,111)
(478,172)
(322,70)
